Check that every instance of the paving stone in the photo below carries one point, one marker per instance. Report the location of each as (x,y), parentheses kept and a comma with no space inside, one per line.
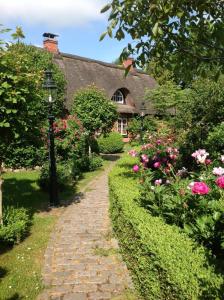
(75,296)
(76,267)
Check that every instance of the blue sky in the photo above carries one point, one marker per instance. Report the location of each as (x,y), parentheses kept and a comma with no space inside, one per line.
(78,23)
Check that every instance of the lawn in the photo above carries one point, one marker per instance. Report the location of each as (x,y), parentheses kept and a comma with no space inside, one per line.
(20,266)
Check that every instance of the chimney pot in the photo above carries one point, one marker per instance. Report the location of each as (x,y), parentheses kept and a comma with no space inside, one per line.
(129,62)
(50,42)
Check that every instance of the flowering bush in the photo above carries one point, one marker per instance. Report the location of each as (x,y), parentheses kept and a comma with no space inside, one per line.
(194,201)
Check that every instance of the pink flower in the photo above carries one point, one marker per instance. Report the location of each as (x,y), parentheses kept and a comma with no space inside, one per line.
(208,161)
(145,158)
(200,155)
(218,171)
(135,168)
(157,165)
(173,156)
(158,181)
(133,153)
(158,142)
(199,188)
(222,158)
(220,182)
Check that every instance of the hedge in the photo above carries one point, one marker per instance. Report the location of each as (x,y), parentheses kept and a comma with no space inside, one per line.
(165,263)
(111,143)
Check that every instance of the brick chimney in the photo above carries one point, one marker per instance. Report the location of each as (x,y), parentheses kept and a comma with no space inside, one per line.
(50,42)
(129,62)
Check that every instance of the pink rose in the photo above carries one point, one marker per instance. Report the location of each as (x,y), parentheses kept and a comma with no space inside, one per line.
(157,165)
(220,182)
(158,181)
(199,188)
(135,168)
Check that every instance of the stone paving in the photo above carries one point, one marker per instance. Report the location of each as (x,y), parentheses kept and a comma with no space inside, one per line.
(82,260)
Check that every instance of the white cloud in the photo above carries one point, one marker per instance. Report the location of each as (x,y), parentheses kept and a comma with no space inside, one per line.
(53,13)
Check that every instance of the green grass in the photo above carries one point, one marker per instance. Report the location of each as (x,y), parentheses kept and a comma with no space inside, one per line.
(20,266)
(20,273)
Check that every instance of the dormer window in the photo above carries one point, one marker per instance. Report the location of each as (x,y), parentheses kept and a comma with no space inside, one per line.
(118,97)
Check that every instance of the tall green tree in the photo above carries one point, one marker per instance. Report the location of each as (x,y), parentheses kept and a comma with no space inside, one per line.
(167,98)
(184,36)
(23,109)
(94,110)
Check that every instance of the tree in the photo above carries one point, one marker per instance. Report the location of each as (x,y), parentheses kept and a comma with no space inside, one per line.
(166,98)
(18,35)
(183,36)
(94,110)
(23,109)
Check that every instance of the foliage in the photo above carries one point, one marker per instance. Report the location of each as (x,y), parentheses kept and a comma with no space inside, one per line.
(215,140)
(95,162)
(182,36)
(23,107)
(195,203)
(111,143)
(94,110)
(135,126)
(165,263)
(64,176)
(20,156)
(69,139)
(166,98)
(15,225)
(196,118)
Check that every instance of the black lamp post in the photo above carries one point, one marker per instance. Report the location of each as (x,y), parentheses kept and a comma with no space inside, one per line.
(51,87)
(142,115)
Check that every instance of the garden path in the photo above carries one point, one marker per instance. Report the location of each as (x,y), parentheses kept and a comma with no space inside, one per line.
(82,260)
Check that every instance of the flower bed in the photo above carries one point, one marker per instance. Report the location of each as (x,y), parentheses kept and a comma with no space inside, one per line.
(194,201)
(165,263)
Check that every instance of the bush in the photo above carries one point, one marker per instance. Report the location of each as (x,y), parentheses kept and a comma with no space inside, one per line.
(24,155)
(165,263)
(111,143)
(215,140)
(15,226)
(95,162)
(64,176)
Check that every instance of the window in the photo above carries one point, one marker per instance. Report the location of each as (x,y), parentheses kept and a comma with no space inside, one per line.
(122,124)
(118,97)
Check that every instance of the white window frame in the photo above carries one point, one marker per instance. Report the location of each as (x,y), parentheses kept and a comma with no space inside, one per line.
(118,97)
(122,127)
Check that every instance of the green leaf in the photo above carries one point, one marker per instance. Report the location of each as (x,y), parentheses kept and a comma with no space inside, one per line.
(105,8)
(109,30)
(155,29)
(103,36)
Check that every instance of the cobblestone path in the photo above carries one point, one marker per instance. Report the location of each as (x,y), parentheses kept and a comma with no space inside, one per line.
(81,261)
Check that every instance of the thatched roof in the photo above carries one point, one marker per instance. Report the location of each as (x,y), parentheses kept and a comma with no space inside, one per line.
(80,72)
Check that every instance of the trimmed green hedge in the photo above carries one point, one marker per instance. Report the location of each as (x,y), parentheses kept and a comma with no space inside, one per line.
(165,263)
(111,143)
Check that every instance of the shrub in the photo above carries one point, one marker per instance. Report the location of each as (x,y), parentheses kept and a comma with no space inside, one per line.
(64,176)
(111,143)
(24,155)
(165,263)
(15,225)
(95,162)
(215,140)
